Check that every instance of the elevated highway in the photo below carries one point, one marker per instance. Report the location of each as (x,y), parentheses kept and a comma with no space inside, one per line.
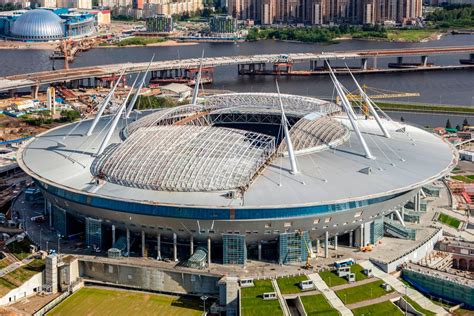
(35,80)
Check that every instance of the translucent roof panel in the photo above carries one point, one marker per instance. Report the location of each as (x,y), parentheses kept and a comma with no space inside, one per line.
(185,158)
(313,134)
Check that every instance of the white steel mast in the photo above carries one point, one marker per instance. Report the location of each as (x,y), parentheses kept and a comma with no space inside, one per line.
(368,101)
(348,108)
(104,105)
(289,144)
(137,93)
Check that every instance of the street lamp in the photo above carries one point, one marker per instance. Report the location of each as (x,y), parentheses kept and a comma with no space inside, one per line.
(204,298)
(406,296)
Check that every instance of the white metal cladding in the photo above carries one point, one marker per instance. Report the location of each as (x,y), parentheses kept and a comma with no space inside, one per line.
(316,135)
(186,158)
(268,102)
(38,25)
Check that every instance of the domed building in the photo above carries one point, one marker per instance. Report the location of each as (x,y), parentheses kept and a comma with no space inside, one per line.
(38,25)
(42,25)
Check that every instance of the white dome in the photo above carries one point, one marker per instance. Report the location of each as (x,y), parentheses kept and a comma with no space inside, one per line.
(38,25)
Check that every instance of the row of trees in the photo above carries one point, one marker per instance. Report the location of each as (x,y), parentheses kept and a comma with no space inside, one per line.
(10,6)
(44,117)
(452,16)
(316,34)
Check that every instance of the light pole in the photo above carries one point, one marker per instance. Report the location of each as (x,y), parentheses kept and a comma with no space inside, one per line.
(59,238)
(406,296)
(47,250)
(204,298)
(41,230)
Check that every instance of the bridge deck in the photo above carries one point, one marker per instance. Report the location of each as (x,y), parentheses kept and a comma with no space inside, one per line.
(49,77)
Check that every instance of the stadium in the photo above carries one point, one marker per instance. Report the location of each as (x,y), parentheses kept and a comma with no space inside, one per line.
(232,177)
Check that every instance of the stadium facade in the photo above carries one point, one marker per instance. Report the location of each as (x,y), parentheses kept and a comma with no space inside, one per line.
(221,176)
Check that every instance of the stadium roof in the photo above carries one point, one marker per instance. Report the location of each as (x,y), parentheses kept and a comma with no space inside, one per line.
(186,158)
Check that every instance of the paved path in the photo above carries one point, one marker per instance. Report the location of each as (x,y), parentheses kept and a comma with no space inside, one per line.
(398,286)
(281,299)
(329,294)
(377,300)
(353,284)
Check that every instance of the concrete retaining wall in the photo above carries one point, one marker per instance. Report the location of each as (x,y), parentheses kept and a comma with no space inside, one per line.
(148,278)
(30,287)
(414,255)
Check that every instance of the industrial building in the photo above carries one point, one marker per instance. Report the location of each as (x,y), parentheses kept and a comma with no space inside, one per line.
(42,25)
(240,176)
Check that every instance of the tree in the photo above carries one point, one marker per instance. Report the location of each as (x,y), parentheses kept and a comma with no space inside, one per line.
(458,127)
(448,124)
(70,115)
(402,119)
(465,123)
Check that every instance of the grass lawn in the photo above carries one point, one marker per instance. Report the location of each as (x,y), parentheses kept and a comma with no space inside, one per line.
(386,308)
(21,249)
(19,276)
(318,305)
(5,262)
(291,285)
(419,308)
(95,301)
(140,41)
(331,278)
(466,179)
(409,35)
(362,292)
(253,303)
(448,220)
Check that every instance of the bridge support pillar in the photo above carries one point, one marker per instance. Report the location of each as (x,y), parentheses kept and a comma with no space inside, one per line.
(34,91)
(363,63)
(128,242)
(158,247)
(400,60)
(351,236)
(335,242)
(209,250)
(326,245)
(318,245)
(362,235)
(11,93)
(424,61)
(143,243)
(191,245)
(113,235)
(259,250)
(175,247)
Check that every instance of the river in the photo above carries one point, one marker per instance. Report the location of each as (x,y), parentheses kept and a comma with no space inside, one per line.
(443,87)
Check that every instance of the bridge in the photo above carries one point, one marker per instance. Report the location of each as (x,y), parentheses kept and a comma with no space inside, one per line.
(247,65)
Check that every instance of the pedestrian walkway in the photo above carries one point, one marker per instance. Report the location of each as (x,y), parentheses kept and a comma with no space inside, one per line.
(329,294)
(281,299)
(401,288)
(353,284)
(15,265)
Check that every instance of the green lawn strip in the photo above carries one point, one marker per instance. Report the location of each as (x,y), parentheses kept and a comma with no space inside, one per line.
(6,286)
(290,285)
(449,220)
(424,107)
(357,269)
(418,307)
(253,303)
(105,302)
(386,308)
(5,262)
(331,278)
(466,179)
(20,249)
(318,305)
(362,292)
(24,273)
(409,35)
(140,41)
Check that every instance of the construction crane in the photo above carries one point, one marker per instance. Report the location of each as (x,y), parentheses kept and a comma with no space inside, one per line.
(307,265)
(376,93)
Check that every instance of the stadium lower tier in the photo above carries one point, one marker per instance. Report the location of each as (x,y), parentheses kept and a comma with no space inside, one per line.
(235,235)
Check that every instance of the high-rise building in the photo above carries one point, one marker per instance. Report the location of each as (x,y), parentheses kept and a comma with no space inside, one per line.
(223,24)
(317,12)
(160,23)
